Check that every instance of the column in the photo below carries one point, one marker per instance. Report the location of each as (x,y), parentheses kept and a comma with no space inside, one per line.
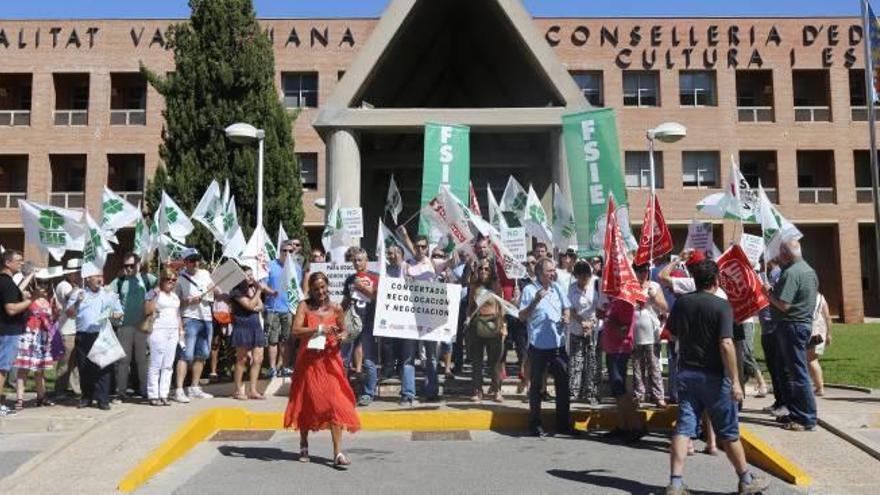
(850,272)
(343,169)
(558,162)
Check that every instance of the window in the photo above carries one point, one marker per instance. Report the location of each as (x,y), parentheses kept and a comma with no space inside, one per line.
(590,83)
(641,88)
(697,88)
(812,95)
(308,170)
(638,169)
(700,169)
(300,89)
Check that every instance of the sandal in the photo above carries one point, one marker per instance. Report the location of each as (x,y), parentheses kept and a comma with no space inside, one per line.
(44,401)
(257,396)
(341,460)
(156,402)
(304,453)
(19,404)
(239,396)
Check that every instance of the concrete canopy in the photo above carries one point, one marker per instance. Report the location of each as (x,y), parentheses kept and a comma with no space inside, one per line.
(475,62)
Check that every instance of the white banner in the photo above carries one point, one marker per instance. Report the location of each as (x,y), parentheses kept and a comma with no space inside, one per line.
(515,240)
(337,273)
(417,310)
(353,221)
(700,237)
(753,246)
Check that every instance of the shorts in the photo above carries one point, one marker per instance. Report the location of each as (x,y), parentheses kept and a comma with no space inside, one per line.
(8,351)
(699,391)
(277,327)
(819,348)
(617,373)
(197,337)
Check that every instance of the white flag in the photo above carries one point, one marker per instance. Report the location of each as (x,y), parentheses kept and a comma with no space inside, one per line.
(775,229)
(535,219)
(449,216)
(393,202)
(293,284)
(282,236)
(144,244)
(255,254)
(235,245)
(209,208)
(116,213)
(387,238)
(564,235)
(172,219)
(496,218)
(227,222)
(514,198)
(170,249)
(95,248)
(54,230)
(334,238)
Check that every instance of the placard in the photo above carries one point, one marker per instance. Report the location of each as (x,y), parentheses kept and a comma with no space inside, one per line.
(741,284)
(227,276)
(353,221)
(515,240)
(337,273)
(417,310)
(700,237)
(753,246)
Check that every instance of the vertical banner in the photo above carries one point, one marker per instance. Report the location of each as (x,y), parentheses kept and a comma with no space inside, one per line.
(447,161)
(593,155)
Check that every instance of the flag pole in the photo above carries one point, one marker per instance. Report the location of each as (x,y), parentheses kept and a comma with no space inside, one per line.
(872,131)
(652,201)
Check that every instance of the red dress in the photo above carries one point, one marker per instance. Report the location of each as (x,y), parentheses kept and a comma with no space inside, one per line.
(320,394)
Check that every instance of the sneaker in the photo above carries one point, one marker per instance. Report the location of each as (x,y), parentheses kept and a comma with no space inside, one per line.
(406,402)
(181,397)
(364,401)
(759,484)
(677,491)
(272,373)
(780,411)
(5,411)
(286,372)
(198,393)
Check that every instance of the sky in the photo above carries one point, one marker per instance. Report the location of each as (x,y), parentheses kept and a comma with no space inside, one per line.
(114,9)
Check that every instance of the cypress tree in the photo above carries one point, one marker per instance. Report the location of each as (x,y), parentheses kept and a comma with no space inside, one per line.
(225,73)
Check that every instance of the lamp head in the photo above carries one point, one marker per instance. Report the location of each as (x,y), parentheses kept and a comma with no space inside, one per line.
(668,132)
(321,203)
(243,133)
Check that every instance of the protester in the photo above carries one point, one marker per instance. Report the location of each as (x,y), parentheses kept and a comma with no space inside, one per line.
(540,251)
(91,306)
(617,343)
(317,256)
(196,292)
(66,372)
(770,346)
(277,322)
(163,306)
(221,311)
(794,300)
(320,396)
(447,275)
(359,292)
(34,350)
(248,337)
(708,379)
(751,368)
(13,317)
(820,337)
(131,287)
(486,330)
(402,350)
(647,373)
(584,299)
(546,311)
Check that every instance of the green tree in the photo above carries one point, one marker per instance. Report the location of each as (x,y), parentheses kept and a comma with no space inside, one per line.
(225,73)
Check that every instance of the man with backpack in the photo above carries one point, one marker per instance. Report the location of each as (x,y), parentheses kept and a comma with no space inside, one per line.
(132,287)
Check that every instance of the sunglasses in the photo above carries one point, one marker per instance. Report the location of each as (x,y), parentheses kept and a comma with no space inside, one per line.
(171,280)
(422,246)
(128,266)
(287,250)
(437,256)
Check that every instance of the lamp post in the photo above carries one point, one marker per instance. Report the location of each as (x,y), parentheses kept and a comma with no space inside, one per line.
(243,134)
(667,132)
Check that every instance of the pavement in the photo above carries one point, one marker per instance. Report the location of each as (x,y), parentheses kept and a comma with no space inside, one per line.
(90,451)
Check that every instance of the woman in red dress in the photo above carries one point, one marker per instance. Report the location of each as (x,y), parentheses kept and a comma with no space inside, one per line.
(320,396)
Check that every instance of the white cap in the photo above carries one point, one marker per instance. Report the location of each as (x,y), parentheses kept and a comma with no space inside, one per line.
(91,270)
(73,264)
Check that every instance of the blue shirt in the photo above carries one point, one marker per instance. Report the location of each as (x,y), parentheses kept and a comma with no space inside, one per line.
(275,281)
(545,327)
(94,310)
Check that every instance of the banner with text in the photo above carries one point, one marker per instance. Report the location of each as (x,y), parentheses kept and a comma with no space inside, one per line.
(417,310)
(337,273)
(447,160)
(741,284)
(593,156)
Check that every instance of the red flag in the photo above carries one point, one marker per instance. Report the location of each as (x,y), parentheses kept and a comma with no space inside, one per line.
(618,278)
(657,229)
(740,283)
(474,205)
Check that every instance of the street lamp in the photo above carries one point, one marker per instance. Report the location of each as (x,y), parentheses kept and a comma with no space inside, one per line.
(242,133)
(667,132)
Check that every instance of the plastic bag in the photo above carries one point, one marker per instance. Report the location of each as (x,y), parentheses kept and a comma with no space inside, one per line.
(106,350)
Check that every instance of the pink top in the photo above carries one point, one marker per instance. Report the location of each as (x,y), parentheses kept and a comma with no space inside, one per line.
(620,315)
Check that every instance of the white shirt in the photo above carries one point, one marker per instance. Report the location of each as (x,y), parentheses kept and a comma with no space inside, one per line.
(421,270)
(584,303)
(647,321)
(67,326)
(200,310)
(167,309)
(564,278)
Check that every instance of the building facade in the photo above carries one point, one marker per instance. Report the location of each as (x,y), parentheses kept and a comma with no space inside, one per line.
(784,97)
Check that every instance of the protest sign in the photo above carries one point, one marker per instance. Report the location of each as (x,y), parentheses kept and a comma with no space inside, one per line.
(741,284)
(699,237)
(447,161)
(417,310)
(353,221)
(337,273)
(227,276)
(753,246)
(515,240)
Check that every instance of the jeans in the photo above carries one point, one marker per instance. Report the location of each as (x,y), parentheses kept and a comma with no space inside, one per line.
(699,391)
(801,401)
(405,351)
(197,335)
(557,361)
(616,364)
(368,345)
(776,366)
(432,381)
(134,343)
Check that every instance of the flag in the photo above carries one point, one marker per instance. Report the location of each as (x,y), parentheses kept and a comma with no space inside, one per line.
(282,236)
(95,248)
(293,284)
(874,45)
(513,268)
(235,244)
(209,208)
(227,223)
(535,220)
(654,232)
(496,218)
(563,220)
(446,162)
(447,214)
(741,284)
(618,278)
(387,238)
(514,198)
(116,213)
(737,202)
(393,202)
(170,249)
(144,243)
(172,219)
(54,230)
(255,254)
(473,203)
(775,229)
(334,238)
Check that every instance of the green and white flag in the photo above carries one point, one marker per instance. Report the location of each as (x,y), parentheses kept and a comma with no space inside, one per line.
(170,249)
(393,202)
(95,248)
(235,245)
(334,239)
(172,220)
(564,234)
(387,238)
(593,155)
(535,221)
(496,217)
(116,213)
(293,284)
(210,207)
(256,255)
(775,229)
(227,222)
(269,248)
(737,202)
(447,161)
(54,230)
(144,243)
(514,198)
(282,236)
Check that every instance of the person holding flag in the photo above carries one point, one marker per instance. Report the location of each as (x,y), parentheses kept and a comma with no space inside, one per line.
(196,292)
(278,311)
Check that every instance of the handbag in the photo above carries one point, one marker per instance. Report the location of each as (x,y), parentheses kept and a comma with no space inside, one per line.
(353,324)
(106,350)
(146,326)
(486,327)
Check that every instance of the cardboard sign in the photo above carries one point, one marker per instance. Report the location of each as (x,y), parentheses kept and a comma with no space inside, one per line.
(417,310)
(227,276)
(337,273)
(741,284)
(699,237)
(353,221)
(753,246)
(515,240)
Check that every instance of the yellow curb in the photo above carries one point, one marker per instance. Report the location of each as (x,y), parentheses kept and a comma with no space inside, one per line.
(205,424)
(770,460)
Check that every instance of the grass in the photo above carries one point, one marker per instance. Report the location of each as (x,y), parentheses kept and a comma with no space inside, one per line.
(853,358)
